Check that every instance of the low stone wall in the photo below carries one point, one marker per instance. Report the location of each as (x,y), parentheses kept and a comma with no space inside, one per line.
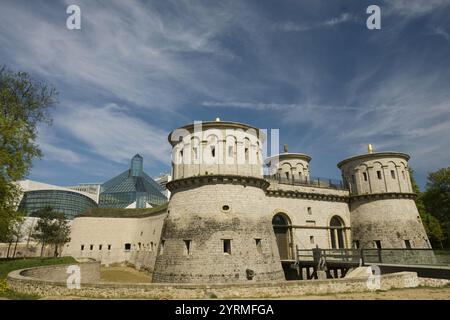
(89,271)
(26,284)
(431,282)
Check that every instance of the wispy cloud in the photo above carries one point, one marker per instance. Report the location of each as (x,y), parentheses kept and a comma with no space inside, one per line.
(274,106)
(113,134)
(137,69)
(292,26)
(56,153)
(413,8)
(441,32)
(126,49)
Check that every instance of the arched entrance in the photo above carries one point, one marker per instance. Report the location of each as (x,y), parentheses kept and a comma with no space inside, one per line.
(337,233)
(283,233)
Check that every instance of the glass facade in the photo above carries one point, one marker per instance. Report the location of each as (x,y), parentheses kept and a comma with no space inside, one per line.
(133,185)
(67,202)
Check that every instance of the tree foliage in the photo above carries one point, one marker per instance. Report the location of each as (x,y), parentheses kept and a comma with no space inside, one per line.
(434,226)
(24,104)
(51,229)
(436,200)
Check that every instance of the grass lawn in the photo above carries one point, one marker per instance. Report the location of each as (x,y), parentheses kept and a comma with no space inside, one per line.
(6,266)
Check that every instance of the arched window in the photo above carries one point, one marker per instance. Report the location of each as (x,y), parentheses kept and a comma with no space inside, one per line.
(247,150)
(337,233)
(195,149)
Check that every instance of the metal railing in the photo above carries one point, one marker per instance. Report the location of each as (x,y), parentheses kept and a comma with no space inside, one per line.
(373,256)
(308,181)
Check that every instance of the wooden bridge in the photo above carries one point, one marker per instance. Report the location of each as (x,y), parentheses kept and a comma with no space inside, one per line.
(336,262)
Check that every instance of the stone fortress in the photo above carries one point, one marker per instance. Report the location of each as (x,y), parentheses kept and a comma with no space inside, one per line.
(228,222)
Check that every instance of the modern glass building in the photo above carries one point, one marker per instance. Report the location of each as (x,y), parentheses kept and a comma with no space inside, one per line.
(132,188)
(38,195)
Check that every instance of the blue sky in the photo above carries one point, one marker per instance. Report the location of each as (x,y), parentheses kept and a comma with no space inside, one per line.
(138,69)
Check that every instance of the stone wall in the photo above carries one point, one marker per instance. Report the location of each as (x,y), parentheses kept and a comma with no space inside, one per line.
(377,173)
(391,221)
(206,217)
(290,166)
(219,148)
(310,219)
(221,291)
(105,240)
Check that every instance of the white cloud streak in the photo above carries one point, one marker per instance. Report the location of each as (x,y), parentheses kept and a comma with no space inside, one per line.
(261,106)
(112,133)
(413,8)
(125,49)
(441,32)
(290,26)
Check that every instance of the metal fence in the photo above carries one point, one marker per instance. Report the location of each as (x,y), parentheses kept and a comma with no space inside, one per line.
(308,181)
(375,256)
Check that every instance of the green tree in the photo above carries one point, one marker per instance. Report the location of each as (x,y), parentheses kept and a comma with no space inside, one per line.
(51,229)
(431,224)
(24,104)
(436,200)
(14,233)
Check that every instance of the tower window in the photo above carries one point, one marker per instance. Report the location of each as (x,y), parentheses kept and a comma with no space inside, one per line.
(109,247)
(403,173)
(127,246)
(161,249)
(287,175)
(151,246)
(309,210)
(379,174)
(258,245)
(230,151)
(356,244)
(246,154)
(393,174)
(377,244)
(187,247)
(91,247)
(195,152)
(100,247)
(226,246)
(82,247)
(407,244)
(311,239)
(213,151)
(365,176)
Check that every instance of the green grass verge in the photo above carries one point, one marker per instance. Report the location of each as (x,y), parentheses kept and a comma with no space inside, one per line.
(6,266)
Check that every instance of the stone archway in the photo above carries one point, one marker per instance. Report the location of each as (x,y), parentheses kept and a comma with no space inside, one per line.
(283,232)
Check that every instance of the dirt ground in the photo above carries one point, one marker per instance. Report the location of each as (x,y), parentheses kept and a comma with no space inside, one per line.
(123,274)
(419,293)
(397,294)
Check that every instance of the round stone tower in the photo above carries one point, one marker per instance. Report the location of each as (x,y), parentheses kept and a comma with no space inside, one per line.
(217,228)
(382,208)
(289,166)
